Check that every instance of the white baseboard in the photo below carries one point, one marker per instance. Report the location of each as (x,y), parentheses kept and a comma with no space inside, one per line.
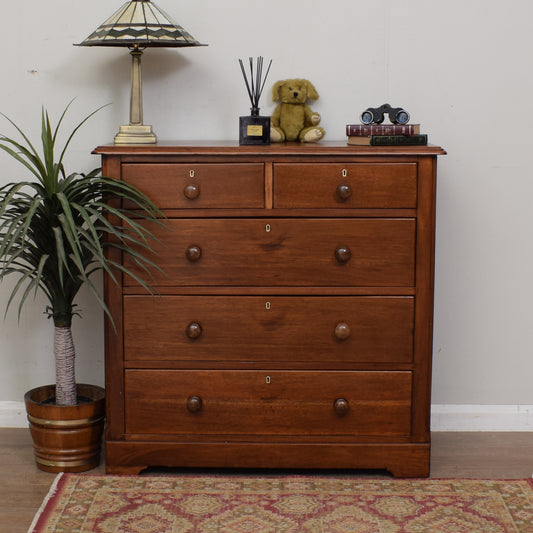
(443,417)
(481,417)
(13,415)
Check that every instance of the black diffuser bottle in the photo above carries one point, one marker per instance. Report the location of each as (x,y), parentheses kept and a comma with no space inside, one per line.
(254,129)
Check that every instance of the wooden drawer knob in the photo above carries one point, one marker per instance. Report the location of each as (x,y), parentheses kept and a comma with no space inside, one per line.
(341,406)
(193,253)
(342,331)
(343,254)
(344,191)
(191,191)
(194,404)
(194,330)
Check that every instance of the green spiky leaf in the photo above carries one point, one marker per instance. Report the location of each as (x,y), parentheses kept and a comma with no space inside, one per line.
(54,232)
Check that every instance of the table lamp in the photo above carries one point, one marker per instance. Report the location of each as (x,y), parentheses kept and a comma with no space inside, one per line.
(139,24)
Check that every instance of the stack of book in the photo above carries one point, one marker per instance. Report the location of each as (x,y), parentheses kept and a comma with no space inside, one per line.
(386,135)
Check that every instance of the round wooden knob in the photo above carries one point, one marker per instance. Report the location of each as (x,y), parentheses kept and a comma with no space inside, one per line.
(191,191)
(343,254)
(344,191)
(194,330)
(194,404)
(193,253)
(341,406)
(342,331)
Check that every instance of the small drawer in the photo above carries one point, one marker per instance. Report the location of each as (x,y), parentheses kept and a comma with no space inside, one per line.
(337,185)
(284,329)
(299,403)
(284,252)
(182,186)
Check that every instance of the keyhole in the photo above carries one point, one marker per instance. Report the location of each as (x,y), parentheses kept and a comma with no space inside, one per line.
(268,379)
(267,305)
(344,172)
(267,228)
(191,173)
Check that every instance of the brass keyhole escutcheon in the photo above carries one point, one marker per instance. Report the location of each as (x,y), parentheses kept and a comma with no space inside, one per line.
(267,305)
(191,173)
(268,379)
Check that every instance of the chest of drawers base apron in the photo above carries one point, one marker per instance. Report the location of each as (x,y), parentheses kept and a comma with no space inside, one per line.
(293,322)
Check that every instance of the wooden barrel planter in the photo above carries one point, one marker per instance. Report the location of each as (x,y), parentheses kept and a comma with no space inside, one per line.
(66,438)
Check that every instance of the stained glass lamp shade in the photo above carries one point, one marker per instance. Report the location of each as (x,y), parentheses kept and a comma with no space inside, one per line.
(139,24)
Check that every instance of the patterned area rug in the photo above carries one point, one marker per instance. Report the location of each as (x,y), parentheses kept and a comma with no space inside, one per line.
(283,504)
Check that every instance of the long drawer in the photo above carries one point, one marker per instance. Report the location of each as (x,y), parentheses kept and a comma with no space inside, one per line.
(269,328)
(284,252)
(206,402)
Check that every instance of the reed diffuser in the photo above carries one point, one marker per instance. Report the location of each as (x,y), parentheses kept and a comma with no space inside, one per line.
(254,129)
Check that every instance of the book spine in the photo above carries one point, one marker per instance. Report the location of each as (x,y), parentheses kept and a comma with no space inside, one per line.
(355,130)
(420,139)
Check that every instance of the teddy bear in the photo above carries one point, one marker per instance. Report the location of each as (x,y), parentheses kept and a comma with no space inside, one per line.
(292,119)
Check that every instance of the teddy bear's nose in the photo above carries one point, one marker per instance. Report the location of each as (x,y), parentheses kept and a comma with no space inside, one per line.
(295,94)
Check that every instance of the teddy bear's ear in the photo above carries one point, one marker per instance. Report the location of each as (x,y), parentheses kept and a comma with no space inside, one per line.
(275,90)
(311,91)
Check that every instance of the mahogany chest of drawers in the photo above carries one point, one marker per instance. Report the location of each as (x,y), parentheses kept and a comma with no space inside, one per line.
(293,322)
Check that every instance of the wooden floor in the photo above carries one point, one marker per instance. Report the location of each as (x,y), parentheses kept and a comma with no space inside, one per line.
(470,455)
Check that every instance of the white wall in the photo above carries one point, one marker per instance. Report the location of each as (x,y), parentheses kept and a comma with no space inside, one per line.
(463,69)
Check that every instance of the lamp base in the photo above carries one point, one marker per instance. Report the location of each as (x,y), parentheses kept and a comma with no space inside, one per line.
(135,134)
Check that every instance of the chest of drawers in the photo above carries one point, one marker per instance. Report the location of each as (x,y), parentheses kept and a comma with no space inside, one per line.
(293,324)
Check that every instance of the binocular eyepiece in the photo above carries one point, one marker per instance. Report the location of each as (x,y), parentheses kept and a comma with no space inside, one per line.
(376,115)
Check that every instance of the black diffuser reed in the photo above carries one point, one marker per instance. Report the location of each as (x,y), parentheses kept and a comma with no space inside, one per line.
(254,129)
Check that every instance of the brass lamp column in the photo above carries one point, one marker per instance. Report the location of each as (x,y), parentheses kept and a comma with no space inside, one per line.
(136,132)
(137,25)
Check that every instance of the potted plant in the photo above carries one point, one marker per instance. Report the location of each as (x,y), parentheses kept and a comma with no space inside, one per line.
(55,231)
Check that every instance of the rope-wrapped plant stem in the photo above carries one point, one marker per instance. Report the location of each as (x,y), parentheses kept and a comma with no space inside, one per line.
(66,393)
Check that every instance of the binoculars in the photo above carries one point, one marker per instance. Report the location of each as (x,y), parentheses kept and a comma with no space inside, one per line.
(376,115)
